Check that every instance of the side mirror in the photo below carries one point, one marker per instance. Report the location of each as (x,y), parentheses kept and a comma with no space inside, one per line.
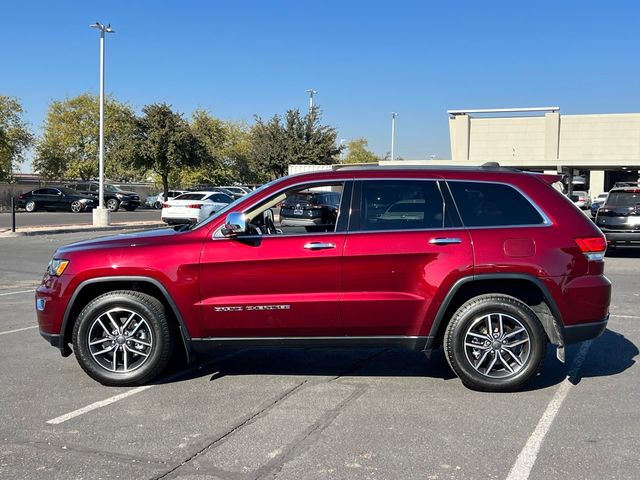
(234,225)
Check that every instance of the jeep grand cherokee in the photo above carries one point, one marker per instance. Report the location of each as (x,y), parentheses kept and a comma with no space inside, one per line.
(491,263)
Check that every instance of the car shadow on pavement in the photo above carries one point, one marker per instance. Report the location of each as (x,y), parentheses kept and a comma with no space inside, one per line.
(610,354)
(329,362)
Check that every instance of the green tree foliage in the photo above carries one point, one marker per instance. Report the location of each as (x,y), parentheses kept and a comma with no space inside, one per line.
(15,136)
(165,143)
(226,151)
(70,143)
(278,143)
(357,152)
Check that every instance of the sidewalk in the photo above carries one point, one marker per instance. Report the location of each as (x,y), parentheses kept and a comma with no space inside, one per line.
(55,229)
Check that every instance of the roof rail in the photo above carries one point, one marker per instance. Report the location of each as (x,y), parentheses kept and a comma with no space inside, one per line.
(626,184)
(493,166)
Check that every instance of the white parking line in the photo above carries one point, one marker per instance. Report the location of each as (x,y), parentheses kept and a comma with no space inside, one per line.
(527,458)
(16,293)
(624,316)
(93,406)
(17,330)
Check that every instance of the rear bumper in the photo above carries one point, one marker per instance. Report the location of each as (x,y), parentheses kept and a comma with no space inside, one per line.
(585,331)
(617,237)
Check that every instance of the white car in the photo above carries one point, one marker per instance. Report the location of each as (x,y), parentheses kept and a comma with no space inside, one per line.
(155,201)
(192,207)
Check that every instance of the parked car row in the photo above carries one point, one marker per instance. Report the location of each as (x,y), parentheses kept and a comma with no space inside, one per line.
(619,217)
(77,197)
(235,192)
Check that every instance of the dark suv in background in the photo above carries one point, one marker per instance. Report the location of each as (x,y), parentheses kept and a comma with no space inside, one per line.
(114,197)
(619,217)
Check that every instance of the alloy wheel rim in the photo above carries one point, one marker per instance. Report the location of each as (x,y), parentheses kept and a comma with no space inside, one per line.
(120,340)
(76,207)
(497,345)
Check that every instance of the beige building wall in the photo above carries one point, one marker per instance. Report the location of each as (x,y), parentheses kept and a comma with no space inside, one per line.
(592,137)
(506,139)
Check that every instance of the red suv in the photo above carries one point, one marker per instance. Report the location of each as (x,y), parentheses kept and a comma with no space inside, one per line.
(491,263)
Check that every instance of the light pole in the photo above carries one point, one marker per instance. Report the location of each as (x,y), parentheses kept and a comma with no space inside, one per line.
(101,215)
(311,93)
(393,133)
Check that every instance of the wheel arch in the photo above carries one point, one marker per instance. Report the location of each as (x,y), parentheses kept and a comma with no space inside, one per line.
(93,287)
(526,288)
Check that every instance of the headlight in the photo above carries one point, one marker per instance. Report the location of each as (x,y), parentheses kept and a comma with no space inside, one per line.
(57,267)
(85,200)
(120,196)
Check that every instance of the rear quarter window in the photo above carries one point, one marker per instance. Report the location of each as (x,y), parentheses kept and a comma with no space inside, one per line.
(493,204)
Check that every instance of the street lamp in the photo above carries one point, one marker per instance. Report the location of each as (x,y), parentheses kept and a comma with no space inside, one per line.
(393,133)
(101,215)
(311,93)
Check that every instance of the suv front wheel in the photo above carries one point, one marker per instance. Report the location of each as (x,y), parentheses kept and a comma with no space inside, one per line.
(123,338)
(495,343)
(113,205)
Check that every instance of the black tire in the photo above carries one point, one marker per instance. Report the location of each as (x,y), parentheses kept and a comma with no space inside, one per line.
(148,350)
(76,206)
(157,205)
(113,204)
(30,206)
(516,333)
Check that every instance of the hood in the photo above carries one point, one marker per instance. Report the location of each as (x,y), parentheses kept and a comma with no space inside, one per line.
(146,237)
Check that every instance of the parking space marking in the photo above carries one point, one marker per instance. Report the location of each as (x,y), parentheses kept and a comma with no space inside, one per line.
(527,458)
(95,405)
(17,330)
(16,293)
(624,316)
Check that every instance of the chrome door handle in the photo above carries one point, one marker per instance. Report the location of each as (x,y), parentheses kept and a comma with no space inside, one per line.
(444,241)
(319,246)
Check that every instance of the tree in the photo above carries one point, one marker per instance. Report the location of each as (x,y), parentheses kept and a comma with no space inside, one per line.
(357,152)
(165,143)
(226,146)
(278,143)
(70,143)
(15,136)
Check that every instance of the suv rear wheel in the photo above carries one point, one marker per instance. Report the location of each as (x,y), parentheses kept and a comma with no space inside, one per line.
(123,338)
(495,343)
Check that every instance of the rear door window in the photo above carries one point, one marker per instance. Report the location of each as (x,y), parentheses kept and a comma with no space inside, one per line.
(401,205)
(493,204)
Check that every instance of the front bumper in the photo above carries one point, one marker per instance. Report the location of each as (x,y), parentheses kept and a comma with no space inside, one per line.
(57,340)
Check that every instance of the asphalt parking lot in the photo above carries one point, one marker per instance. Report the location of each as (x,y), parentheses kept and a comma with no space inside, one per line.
(311,413)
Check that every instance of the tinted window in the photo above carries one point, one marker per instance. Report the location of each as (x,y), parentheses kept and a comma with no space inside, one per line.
(493,204)
(401,205)
(190,196)
(49,191)
(220,198)
(623,199)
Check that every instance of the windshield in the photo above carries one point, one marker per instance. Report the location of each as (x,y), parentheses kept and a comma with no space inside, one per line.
(112,188)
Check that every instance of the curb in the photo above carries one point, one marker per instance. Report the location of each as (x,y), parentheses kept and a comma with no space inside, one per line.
(78,228)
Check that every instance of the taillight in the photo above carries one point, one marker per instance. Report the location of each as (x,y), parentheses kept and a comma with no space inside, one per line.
(20,197)
(165,205)
(593,248)
(194,205)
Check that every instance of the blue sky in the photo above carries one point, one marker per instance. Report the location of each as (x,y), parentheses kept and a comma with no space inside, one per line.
(365,58)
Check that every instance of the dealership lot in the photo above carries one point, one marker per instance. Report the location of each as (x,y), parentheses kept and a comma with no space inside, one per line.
(312,413)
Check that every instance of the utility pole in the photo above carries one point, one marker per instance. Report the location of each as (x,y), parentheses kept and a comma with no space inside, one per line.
(101,215)
(393,133)
(311,93)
